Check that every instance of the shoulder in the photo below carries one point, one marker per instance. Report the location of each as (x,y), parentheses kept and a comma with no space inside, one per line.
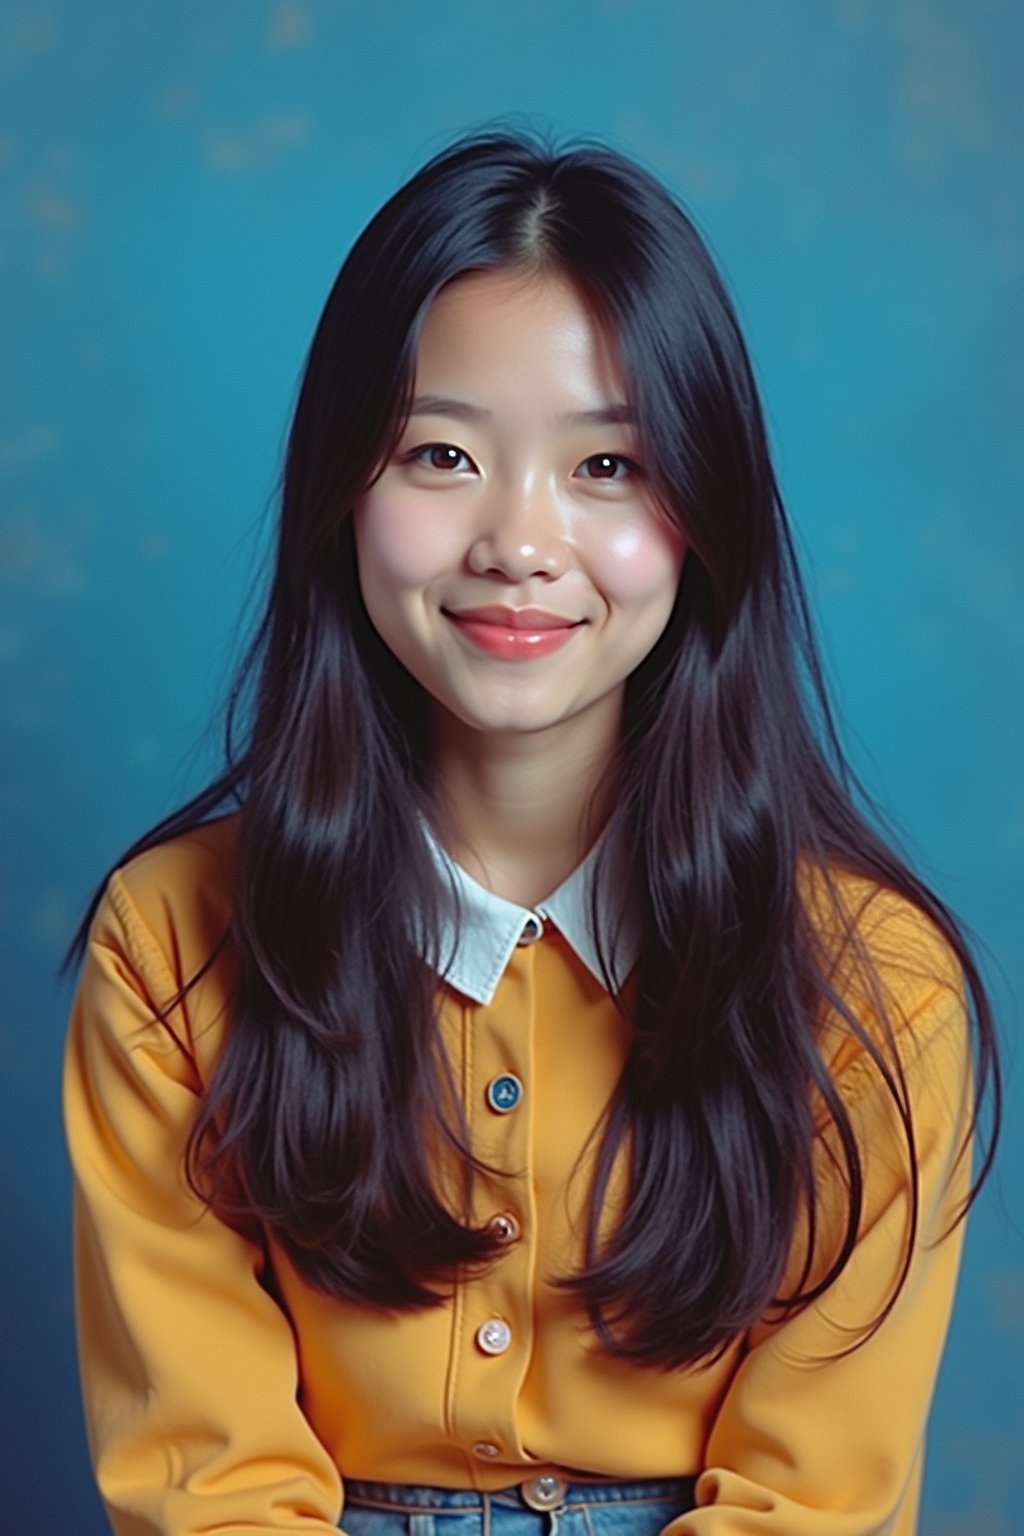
(905,943)
(180,890)
(164,920)
(893,975)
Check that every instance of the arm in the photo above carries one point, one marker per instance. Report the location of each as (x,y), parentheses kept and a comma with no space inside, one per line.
(188,1366)
(809,1444)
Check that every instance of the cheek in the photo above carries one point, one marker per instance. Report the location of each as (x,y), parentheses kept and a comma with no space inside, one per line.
(400,543)
(638,561)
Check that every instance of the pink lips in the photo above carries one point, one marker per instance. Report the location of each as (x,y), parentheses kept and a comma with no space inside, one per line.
(513,633)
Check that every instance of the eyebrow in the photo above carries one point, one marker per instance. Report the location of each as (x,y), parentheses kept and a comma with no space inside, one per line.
(618,413)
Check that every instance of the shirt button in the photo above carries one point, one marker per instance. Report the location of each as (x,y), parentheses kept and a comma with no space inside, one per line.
(504,1092)
(533,927)
(504,1228)
(485,1449)
(494,1336)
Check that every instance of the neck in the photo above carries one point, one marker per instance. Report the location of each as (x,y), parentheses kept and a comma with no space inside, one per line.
(521,811)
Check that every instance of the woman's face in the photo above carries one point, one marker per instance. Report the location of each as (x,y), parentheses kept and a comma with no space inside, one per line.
(511,554)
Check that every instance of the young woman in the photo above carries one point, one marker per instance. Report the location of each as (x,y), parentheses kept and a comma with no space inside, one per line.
(522,1088)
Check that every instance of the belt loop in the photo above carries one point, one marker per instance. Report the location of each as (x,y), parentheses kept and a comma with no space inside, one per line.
(486,1522)
(421,1525)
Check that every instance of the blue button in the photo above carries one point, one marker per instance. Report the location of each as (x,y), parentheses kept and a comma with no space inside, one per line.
(504,1092)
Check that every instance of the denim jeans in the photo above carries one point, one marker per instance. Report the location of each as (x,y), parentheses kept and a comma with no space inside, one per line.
(544,1506)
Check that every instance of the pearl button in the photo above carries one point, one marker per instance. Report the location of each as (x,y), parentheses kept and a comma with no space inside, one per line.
(504,1093)
(485,1449)
(494,1336)
(503,1228)
(532,929)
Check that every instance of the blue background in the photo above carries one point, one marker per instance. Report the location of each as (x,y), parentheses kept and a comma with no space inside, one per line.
(179,184)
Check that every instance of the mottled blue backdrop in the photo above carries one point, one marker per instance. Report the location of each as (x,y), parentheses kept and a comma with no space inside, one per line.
(179,184)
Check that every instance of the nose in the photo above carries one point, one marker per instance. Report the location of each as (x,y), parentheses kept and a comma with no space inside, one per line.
(520,535)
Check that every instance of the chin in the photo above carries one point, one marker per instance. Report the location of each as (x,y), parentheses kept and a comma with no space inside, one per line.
(519,724)
(507,718)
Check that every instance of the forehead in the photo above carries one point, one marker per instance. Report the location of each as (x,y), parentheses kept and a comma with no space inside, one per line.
(511,327)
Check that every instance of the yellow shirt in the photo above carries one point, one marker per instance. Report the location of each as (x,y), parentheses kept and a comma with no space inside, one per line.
(215,1402)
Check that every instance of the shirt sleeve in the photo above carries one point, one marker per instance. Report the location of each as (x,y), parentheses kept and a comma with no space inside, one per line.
(189,1367)
(814,1437)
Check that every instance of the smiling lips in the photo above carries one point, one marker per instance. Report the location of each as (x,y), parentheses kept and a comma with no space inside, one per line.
(514,634)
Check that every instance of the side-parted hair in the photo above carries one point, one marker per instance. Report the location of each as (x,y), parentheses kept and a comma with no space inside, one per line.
(731,788)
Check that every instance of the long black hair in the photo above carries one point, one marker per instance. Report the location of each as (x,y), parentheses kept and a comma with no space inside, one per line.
(731,791)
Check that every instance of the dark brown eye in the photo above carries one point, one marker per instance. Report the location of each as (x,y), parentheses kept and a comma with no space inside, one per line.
(441,456)
(608,466)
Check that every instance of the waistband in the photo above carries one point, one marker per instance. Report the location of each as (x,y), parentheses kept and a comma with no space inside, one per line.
(546,1492)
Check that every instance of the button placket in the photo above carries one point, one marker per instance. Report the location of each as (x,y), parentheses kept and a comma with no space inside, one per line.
(497,1304)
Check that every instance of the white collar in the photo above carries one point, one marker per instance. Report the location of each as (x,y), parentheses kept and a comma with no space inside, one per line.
(479,930)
